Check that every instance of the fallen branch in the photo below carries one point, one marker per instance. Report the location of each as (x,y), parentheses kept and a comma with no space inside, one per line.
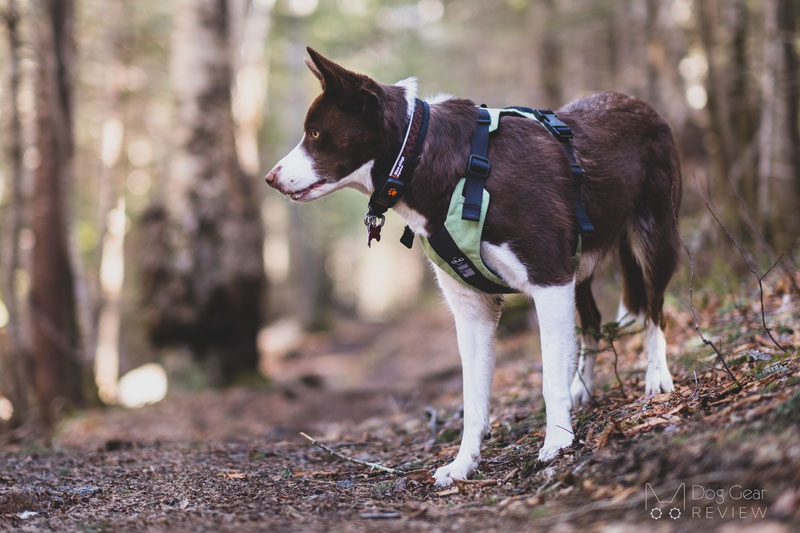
(752,269)
(691,296)
(372,466)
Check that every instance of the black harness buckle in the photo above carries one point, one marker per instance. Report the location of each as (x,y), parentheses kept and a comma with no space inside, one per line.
(551,122)
(479,166)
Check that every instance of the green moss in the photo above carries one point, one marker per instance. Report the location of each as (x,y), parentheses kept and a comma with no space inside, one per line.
(529,467)
(448,435)
(769,388)
(789,411)
(538,512)
(733,363)
(794,380)
(381,488)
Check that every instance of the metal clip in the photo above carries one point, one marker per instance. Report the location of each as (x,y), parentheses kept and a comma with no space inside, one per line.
(374,220)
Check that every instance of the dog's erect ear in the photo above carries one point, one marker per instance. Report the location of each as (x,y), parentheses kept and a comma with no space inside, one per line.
(313,68)
(355,91)
(333,77)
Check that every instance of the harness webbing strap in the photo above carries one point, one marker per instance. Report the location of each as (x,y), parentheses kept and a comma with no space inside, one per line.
(478,167)
(444,245)
(564,135)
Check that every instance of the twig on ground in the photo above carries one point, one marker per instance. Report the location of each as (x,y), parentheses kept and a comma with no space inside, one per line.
(373,466)
(585,387)
(691,296)
(616,372)
(753,270)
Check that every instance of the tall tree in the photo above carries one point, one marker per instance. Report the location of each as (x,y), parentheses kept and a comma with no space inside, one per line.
(18,357)
(718,106)
(778,196)
(209,296)
(55,340)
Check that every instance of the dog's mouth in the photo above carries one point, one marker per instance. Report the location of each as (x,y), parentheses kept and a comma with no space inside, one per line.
(302,194)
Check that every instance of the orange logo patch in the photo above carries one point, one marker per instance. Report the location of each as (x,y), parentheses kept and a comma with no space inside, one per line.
(392,192)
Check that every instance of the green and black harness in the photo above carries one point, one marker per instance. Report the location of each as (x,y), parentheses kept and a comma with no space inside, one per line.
(455,248)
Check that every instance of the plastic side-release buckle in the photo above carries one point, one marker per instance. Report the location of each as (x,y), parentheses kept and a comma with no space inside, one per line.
(550,121)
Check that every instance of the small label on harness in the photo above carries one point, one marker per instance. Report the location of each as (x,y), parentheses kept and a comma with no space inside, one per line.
(460,263)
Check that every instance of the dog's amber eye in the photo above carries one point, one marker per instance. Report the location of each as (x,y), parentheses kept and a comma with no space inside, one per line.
(314,134)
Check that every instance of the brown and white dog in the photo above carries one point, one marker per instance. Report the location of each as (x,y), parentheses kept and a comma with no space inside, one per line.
(631,191)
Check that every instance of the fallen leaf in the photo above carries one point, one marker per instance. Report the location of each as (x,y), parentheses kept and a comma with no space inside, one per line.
(421,476)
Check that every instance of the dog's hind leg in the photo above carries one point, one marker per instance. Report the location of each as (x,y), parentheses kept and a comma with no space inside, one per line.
(647,267)
(476,315)
(583,383)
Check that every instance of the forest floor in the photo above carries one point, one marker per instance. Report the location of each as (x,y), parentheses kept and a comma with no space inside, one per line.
(233,460)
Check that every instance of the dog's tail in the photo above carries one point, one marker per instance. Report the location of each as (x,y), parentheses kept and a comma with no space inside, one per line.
(650,246)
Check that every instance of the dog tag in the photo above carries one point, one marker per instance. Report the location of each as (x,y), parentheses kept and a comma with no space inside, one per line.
(373,232)
(374,224)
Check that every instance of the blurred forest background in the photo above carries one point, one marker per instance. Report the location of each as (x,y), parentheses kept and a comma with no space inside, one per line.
(140,245)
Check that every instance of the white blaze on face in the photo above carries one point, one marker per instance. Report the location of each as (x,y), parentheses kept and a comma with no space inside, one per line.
(296,170)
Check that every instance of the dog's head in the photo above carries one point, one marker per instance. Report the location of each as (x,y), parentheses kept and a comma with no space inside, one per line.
(345,128)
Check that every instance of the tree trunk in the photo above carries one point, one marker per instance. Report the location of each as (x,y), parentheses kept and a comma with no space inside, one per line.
(551,61)
(718,107)
(787,28)
(18,357)
(57,375)
(211,230)
(778,202)
(743,117)
(111,227)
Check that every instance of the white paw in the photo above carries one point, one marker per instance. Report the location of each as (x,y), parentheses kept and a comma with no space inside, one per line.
(458,469)
(580,393)
(555,443)
(657,380)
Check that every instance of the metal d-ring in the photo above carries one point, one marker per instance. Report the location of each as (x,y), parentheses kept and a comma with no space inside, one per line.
(374,220)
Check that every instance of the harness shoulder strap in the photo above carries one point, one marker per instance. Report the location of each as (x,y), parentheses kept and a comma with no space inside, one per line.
(478,167)
(564,135)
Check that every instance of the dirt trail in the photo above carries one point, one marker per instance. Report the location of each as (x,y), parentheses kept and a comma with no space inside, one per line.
(232,460)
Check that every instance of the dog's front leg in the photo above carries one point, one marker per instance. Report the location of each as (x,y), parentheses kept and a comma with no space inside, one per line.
(476,315)
(555,307)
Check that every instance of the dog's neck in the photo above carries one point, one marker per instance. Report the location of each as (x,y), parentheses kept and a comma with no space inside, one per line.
(442,161)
